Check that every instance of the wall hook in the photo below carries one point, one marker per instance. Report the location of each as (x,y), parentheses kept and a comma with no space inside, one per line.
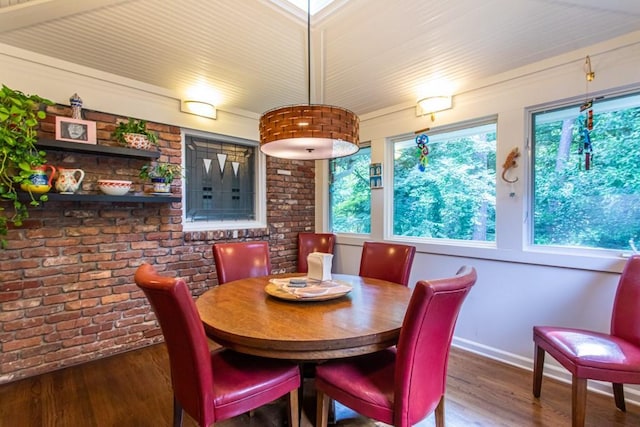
(509,163)
(590,75)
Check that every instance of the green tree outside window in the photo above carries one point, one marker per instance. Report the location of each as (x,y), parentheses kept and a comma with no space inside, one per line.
(597,207)
(454,197)
(349,193)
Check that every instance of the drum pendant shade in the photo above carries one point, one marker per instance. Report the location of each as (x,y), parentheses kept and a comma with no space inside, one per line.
(309,131)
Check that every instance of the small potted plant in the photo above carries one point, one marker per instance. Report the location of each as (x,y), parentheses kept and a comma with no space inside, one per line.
(134,134)
(161,175)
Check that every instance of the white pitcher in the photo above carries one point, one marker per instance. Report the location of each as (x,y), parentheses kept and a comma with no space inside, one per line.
(69,180)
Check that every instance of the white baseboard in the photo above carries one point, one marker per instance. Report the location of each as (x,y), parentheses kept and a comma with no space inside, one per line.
(551,368)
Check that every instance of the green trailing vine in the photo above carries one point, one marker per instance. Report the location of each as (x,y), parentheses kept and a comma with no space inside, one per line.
(19,115)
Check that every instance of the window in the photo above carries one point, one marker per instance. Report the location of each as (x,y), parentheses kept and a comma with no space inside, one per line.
(349,193)
(221,181)
(453,195)
(586,182)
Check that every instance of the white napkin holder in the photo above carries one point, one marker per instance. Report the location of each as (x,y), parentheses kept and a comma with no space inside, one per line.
(319,265)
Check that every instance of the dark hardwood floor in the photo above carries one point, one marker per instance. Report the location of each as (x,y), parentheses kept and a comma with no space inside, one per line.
(134,390)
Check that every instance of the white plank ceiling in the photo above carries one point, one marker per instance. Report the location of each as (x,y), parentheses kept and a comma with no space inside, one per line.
(367,55)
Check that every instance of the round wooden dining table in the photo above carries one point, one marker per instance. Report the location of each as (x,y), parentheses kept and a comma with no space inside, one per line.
(242,316)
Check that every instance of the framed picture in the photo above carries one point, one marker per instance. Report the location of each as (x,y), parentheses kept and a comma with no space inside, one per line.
(375,175)
(75,130)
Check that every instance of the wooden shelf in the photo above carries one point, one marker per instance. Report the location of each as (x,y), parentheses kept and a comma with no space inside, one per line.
(98,149)
(99,197)
(106,150)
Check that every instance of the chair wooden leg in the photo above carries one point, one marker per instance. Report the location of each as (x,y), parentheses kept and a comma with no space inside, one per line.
(618,394)
(177,413)
(303,367)
(294,414)
(332,412)
(578,401)
(440,413)
(322,409)
(538,367)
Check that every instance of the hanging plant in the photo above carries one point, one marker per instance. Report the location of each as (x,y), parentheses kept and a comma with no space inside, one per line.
(19,115)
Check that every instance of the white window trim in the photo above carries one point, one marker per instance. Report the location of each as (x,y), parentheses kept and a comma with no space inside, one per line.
(451,246)
(549,254)
(323,198)
(260,186)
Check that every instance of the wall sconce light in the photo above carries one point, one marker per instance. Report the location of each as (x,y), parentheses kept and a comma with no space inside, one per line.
(433,104)
(199,108)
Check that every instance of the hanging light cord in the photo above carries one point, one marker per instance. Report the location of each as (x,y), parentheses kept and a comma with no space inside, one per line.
(309,52)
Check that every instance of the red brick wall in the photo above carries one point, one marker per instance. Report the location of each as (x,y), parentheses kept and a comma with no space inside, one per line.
(66,280)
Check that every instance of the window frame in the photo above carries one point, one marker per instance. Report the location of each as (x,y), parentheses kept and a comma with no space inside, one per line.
(558,250)
(362,145)
(260,201)
(389,179)
(512,211)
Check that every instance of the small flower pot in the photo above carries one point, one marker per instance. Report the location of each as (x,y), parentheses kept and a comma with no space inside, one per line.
(160,185)
(138,141)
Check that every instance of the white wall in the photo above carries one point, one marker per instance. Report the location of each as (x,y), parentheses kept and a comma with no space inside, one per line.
(58,80)
(517,286)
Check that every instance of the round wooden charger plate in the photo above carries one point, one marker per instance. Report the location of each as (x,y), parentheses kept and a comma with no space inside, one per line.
(275,291)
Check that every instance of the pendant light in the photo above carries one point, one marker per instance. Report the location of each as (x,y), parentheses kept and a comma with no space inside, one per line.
(309,131)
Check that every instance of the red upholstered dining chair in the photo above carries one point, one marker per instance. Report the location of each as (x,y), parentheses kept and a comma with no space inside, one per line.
(387,261)
(313,242)
(402,385)
(590,355)
(240,260)
(211,386)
